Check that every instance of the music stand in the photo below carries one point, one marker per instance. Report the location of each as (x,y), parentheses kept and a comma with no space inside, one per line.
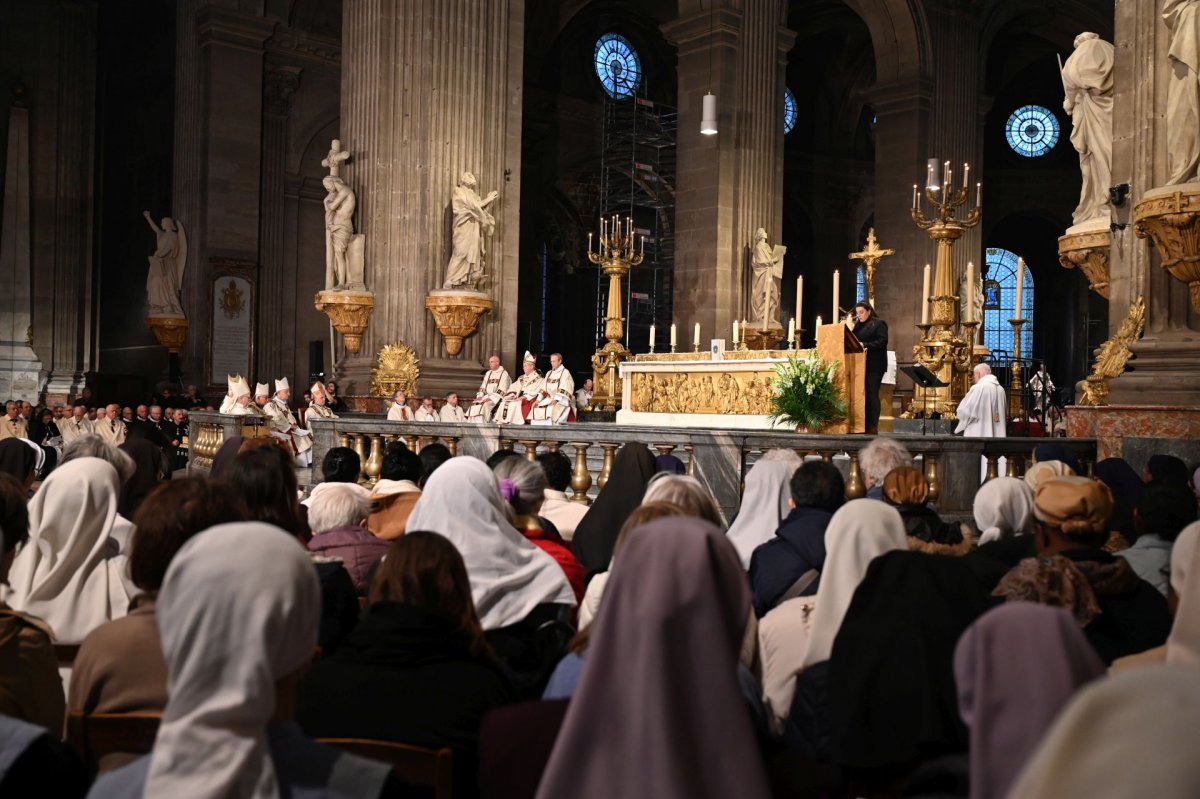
(927,380)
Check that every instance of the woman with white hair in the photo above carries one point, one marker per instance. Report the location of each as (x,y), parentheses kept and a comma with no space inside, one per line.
(238,614)
(877,459)
(337,516)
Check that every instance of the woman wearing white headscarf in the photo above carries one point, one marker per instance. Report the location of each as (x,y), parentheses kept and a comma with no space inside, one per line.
(764,503)
(69,573)
(799,633)
(509,575)
(238,614)
(1003,508)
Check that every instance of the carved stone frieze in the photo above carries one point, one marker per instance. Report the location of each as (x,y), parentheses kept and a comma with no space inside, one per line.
(702,392)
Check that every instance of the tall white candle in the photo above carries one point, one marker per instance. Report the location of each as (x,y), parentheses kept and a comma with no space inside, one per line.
(672,334)
(914,195)
(966,177)
(946,179)
(799,295)
(818,323)
(696,337)
(929,184)
(589,242)
(978,195)
(1020,288)
(792,329)
(970,311)
(837,292)
(735,338)
(651,336)
(925,297)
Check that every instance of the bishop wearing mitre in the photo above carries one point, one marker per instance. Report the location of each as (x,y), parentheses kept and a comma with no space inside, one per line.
(237,401)
(495,383)
(519,400)
(283,423)
(557,402)
(319,408)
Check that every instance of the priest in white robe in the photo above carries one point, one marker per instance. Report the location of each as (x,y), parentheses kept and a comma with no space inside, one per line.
(495,383)
(521,396)
(981,412)
(400,412)
(452,411)
(111,428)
(426,412)
(319,407)
(556,404)
(76,426)
(583,396)
(284,425)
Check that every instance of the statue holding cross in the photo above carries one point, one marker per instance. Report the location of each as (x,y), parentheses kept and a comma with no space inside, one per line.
(871,255)
(335,158)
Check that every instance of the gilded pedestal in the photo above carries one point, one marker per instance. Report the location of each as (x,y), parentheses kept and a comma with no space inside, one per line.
(1169,216)
(169,330)
(457,314)
(768,339)
(349,311)
(1087,247)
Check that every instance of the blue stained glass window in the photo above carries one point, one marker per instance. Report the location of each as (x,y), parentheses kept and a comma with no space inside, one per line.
(997,332)
(789,111)
(1032,131)
(617,66)
(860,283)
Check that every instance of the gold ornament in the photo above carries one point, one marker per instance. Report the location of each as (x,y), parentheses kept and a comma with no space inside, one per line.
(397,368)
(1089,252)
(1113,355)
(1171,219)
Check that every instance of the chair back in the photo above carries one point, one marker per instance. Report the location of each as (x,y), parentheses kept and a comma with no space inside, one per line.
(416,765)
(95,735)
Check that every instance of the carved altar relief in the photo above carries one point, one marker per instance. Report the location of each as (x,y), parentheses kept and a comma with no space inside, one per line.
(702,392)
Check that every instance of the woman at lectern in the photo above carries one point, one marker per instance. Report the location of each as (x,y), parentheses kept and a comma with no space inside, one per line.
(873,333)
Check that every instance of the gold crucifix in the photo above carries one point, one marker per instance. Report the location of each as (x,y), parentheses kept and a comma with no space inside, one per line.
(871,256)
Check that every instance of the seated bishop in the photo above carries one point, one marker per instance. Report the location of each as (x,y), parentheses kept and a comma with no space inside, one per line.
(237,401)
(517,404)
(452,411)
(556,403)
(319,407)
(400,412)
(495,383)
(283,423)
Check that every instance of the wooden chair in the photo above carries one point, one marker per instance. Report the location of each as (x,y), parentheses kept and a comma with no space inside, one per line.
(432,768)
(99,734)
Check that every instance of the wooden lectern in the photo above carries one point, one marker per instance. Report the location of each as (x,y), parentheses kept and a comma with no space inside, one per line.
(836,343)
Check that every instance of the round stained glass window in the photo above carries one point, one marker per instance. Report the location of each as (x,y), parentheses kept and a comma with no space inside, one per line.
(789,111)
(1032,131)
(617,66)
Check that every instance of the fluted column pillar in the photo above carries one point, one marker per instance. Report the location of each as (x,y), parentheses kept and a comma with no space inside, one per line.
(729,184)
(431,89)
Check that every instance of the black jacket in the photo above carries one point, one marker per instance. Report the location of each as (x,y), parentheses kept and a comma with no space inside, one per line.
(873,334)
(798,546)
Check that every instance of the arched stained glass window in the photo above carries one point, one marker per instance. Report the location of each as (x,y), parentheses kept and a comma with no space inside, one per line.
(789,111)
(1032,130)
(617,66)
(997,332)
(860,283)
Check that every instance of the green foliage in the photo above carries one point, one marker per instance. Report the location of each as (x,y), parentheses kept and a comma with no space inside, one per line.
(804,394)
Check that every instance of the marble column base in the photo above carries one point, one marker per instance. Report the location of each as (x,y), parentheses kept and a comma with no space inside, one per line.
(1137,432)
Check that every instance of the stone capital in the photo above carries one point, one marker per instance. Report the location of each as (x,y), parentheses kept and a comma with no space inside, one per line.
(697,33)
(280,82)
(901,96)
(215,25)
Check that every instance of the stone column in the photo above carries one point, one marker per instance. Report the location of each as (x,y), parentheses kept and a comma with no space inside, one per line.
(431,89)
(19,366)
(1164,371)
(729,184)
(279,84)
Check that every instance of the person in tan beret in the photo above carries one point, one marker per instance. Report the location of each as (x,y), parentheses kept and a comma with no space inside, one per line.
(907,489)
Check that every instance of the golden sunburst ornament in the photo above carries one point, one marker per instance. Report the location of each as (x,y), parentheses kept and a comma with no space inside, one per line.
(396,367)
(233,300)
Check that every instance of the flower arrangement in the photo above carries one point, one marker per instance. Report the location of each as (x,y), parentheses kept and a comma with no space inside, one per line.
(804,394)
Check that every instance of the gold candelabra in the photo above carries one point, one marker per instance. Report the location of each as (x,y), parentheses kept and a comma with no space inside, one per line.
(947,346)
(615,258)
(1016,389)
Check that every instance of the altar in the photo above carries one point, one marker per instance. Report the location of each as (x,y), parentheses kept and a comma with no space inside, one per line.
(731,390)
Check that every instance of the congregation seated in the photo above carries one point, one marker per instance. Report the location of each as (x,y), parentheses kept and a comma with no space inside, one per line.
(395,493)
(19,461)
(877,459)
(632,468)
(765,501)
(563,513)
(120,668)
(1163,510)
(1162,468)
(230,731)
(797,552)
(30,687)
(338,518)
(432,456)
(417,669)
(340,465)
(1126,486)
(1003,508)
(907,489)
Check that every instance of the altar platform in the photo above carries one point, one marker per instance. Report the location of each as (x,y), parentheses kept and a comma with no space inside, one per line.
(718,455)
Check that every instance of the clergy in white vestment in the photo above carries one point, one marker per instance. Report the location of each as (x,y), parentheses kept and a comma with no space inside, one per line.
(319,407)
(13,424)
(111,428)
(238,399)
(284,425)
(426,412)
(77,425)
(452,411)
(495,382)
(400,412)
(262,395)
(556,403)
(982,411)
(583,396)
(521,396)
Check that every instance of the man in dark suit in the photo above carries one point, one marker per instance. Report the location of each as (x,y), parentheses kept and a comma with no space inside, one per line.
(873,333)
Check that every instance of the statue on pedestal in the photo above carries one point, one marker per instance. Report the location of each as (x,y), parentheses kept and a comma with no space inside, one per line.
(767,263)
(341,270)
(1088,83)
(1183,92)
(471,223)
(165,278)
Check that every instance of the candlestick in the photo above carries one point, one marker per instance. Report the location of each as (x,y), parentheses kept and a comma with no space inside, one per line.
(970,292)
(946,174)
(1018,307)
(799,295)
(672,334)
(791,330)
(652,338)
(643,245)
(589,242)
(966,176)
(818,327)
(914,195)
(929,182)
(735,332)
(696,337)
(978,195)
(925,297)
(837,291)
